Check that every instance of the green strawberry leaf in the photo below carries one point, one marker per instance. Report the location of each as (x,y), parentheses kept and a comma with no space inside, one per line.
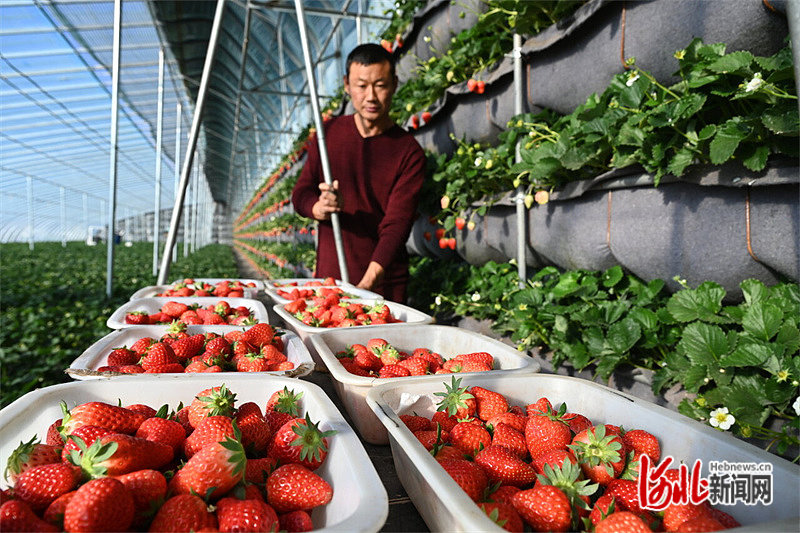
(703,343)
(762,320)
(747,354)
(727,139)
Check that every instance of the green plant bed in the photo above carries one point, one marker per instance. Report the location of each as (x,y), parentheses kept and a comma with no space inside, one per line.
(54,304)
(745,358)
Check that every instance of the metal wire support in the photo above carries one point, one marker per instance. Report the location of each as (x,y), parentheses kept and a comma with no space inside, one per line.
(323,151)
(159,138)
(194,134)
(112,170)
(522,235)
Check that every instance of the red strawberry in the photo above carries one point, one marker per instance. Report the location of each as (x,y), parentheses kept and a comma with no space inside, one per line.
(185,349)
(414,121)
(489,403)
(169,432)
(544,508)
(514,420)
(426,117)
(234,514)
(367,360)
(460,223)
(122,356)
(393,371)
(252,362)
(54,436)
(604,506)
(641,441)
(510,439)
(118,454)
(259,469)
(140,346)
(503,466)
(103,504)
(146,410)
(577,422)
(554,458)
(38,486)
(169,368)
(148,488)
(471,85)
(546,431)
(626,492)
(430,438)
(601,456)
(416,366)
(158,354)
(218,345)
(30,454)
(254,427)
(504,515)
(456,401)
(54,513)
(100,414)
(284,401)
(300,441)
(295,521)
(259,335)
(211,402)
(220,465)
(677,514)
(469,476)
(87,434)
(184,512)
(137,318)
(503,494)
(416,423)
(447,422)
(480,87)
(210,430)
(469,438)
(293,487)
(624,521)
(16,515)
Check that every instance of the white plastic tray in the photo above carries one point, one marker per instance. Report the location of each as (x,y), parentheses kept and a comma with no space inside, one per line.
(96,355)
(445,507)
(152,305)
(445,340)
(152,290)
(259,284)
(353,292)
(407,315)
(359,499)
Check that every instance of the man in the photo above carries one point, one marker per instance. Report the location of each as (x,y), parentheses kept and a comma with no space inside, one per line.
(377,170)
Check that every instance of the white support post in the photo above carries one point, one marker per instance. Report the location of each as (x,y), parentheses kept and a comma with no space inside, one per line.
(194,134)
(30,212)
(323,151)
(63,217)
(159,141)
(177,172)
(112,171)
(86,216)
(522,237)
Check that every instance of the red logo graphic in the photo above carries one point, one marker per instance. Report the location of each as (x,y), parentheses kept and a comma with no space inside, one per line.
(657,489)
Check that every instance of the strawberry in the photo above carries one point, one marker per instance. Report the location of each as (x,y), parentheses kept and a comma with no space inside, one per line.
(295,521)
(469,438)
(426,118)
(447,422)
(416,366)
(542,405)
(148,488)
(554,458)
(546,431)
(469,476)
(460,223)
(184,512)
(169,432)
(488,403)
(100,414)
(137,318)
(131,369)
(259,469)
(624,521)
(604,506)
(86,434)
(210,430)
(300,441)
(168,368)
(54,513)
(367,360)
(677,514)
(146,410)
(16,515)
(430,438)
(252,362)
(414,121)
(471,85)
(218,466)
(122,356)
(503,494)
(723,518)
(185,349)
(456,401)
(416,423)
(117,454)
(259,335)
(234,514)
(577,422)
(255,429)
(284,401)
(293,487)
(219,345)
(503,466)
(54,436)
(30,454)
(625,492)
(211,402)
(103,504)
(601,456)
(504,515)
(158,354)
(544,508)
(393,371)
(38,486)
(513,420)
(510,439)
(641,441)
(480,87)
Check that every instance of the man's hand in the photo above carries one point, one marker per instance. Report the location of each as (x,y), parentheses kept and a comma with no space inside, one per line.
(329,201)
(372,277)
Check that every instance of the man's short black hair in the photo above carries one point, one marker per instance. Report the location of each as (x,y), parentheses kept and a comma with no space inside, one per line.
(370,54)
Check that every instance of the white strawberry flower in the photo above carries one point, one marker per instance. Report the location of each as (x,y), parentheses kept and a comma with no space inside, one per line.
(478,161)
(438,300)
(796,406)
(754,84)
(632,77)
(720,418)
(476,296)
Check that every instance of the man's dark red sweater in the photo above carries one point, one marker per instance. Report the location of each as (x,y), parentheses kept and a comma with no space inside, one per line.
(379,182)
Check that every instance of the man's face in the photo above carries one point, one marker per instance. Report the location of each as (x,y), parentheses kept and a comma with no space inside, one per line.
(370,88)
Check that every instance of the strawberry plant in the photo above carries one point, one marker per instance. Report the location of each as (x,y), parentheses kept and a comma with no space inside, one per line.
(726,107)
